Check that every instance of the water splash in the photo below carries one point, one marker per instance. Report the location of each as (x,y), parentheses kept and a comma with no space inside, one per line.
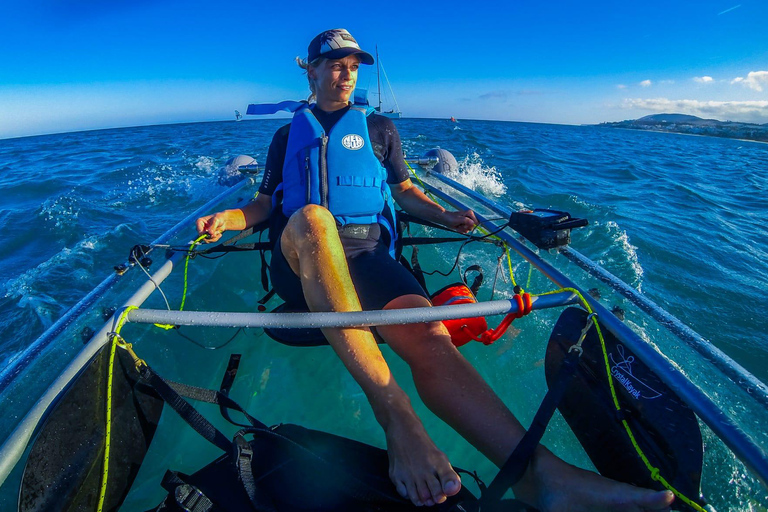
(627,250)
(156,183)
(474,174)
(205,164)
(61,211)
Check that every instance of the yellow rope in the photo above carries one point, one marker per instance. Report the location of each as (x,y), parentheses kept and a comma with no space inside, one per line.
(123,317)
(115,341)
(168,327)
(480,228)
(426,190)
(108,430)
(530,273)
(186,269)
(509,264)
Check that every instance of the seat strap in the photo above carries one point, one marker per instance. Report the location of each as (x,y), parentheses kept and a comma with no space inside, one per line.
(214,397)
(186,496)
(188,413)
(517,463)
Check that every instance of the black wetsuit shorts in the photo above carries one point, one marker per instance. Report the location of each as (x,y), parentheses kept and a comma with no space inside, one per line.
(377,277)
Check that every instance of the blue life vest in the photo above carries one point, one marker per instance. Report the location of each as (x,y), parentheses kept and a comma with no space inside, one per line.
(338,170)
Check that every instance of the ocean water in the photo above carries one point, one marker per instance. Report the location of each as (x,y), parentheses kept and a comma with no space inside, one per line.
(680,218)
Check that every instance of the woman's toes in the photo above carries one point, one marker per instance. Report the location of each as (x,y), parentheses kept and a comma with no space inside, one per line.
(451,482)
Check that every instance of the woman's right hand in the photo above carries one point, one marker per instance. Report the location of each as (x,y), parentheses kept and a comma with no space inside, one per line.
(213,225)
(236,219)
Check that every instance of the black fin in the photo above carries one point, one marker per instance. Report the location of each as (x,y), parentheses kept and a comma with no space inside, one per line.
(64,467)
(665,427)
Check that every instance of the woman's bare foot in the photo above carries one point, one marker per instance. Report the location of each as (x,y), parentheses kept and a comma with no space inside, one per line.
(419,470)
(551,484)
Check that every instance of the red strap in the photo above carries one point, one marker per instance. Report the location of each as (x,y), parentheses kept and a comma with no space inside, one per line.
(524,306)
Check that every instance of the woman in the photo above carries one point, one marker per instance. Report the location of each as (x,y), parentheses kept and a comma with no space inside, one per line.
(332,255)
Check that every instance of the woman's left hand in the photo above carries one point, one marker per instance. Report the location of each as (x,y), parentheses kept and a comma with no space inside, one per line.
(463,221)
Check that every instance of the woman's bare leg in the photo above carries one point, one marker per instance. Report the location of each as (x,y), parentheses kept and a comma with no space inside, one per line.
(311,245)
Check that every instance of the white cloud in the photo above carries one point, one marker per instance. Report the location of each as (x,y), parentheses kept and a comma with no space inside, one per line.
(621,86)
(645,83)
(747,111)
(755,80)
(703,79)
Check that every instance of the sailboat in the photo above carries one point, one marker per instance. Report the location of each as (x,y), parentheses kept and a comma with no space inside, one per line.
(393,113)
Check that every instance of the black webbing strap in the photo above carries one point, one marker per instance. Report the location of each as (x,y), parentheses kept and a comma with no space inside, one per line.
(226,385)
(229,376)
(187,496)
(425,240)
(229,245)
(264,271)
(514,468)
(415,267)
(188,413)
(265,299)
(258,228)
(214,397)
(243,454)
(256,246)
(407,218)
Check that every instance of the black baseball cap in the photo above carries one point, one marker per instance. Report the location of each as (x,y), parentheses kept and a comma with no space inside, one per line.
(336,44)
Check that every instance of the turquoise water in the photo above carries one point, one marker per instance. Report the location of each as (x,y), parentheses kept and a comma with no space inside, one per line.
(681,218)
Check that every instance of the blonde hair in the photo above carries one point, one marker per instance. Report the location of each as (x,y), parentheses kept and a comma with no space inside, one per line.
(303,64)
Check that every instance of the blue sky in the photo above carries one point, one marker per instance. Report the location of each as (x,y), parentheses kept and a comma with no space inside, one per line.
(69,65)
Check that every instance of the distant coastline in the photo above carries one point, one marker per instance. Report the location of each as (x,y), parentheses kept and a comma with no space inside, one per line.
(692,125)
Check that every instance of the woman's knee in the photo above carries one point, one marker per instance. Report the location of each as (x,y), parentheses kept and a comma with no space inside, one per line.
(312,215)
(309,220)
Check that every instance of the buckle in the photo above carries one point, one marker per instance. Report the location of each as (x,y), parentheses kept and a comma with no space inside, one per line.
(191,499)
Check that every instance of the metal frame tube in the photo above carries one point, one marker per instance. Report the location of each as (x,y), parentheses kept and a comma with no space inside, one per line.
(730,433)
(344,319)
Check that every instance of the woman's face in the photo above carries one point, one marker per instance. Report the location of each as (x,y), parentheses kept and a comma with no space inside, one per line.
(335,80)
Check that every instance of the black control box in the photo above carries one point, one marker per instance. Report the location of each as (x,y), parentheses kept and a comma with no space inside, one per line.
(546,229)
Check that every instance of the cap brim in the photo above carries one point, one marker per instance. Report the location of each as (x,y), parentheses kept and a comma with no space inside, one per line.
(365,57)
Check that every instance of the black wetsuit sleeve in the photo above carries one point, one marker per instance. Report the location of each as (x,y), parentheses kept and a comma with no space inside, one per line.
(388,148)
(273,169)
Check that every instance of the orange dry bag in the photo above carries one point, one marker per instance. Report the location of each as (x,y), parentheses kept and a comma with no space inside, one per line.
(462,330)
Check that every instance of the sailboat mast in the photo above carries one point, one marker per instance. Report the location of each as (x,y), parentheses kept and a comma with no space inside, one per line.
(378,76)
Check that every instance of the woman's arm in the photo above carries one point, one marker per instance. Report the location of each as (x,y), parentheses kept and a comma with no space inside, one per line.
(413,201)
(236,219)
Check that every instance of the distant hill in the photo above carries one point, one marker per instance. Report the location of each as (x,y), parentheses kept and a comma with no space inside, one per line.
(682,123)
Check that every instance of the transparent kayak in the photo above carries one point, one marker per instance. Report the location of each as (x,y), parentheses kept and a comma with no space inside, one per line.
(225,313)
